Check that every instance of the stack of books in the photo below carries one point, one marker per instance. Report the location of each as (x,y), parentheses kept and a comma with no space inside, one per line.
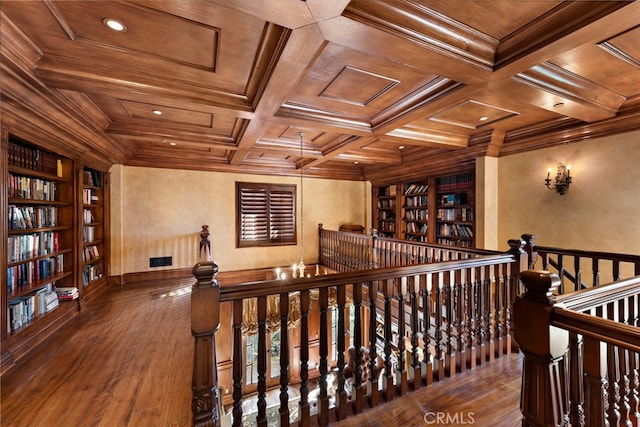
(67,293)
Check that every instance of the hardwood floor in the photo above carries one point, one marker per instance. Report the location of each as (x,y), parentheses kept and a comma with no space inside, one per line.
(126,361)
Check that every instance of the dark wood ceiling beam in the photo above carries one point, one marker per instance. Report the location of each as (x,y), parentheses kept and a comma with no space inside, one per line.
(413,21)
(495,145)
(553,79)
(564,20)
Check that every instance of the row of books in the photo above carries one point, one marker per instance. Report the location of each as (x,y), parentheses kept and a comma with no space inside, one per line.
(26,246)
(88,233)
(458,230)
(416,201)
(93,178)
(87,216)
(26,217)
(89,196)
(460,243)
(90,274)
(23,275)
(456,182)
(25,187)
(386,204)
(413,227)
(415,188)
(388,191)
(33,158)
(462,214)
(23,310)
(416,214)
(454,199)
(386,215)
(89,253)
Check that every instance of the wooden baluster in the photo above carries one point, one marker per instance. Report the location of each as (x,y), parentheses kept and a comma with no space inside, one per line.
(577,268)
(359,389)
(262,362)
(613,389)
(480,315)
(472,314)
(304,359)
(529,246)
(373,391)
(401,368)
(509,291)
(449,309)
(545,261)
(387,380)
(487,336)
(238,363)
(576,384)
(498,313)
(634,367)
(490,313)
(205,321)
(439,360)
(427,366)
(284,359)
(323,398)
(543,396)
(561,273)
(616,270)
(341,394)
(595,401)
(460,324)
(415,374)
(623,363)
(595,266)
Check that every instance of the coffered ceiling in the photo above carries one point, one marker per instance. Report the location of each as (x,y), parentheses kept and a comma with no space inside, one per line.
(382,90)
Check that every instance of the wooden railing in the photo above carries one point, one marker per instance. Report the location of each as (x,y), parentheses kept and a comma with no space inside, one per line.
(581,353)
(342,251)
(580,269)
(450,316)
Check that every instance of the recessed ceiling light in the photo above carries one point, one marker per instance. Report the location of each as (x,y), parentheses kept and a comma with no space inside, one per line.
(483,118)
(401,147)
(114,24)
(356,163)
(173,143)
(157,112)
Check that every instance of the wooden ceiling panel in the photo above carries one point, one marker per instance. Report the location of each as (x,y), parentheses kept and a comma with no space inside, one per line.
(169,33)
(236,81)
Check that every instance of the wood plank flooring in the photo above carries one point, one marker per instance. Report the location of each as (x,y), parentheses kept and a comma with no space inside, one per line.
(126,361)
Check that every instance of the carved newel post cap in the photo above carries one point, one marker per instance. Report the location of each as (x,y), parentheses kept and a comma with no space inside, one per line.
(541,286)
(516,245)
(205,270)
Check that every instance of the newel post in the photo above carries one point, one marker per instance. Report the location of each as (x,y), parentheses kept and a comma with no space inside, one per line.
(544,393)
(205,321)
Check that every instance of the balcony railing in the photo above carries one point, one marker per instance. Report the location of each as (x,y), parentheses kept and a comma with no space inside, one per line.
(413,324)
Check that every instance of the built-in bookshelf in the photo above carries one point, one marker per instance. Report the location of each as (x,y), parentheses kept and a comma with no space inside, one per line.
(386,210)
(432,210)
(415,208)
(40,236)
(455,210)
(93,232)
(54,212)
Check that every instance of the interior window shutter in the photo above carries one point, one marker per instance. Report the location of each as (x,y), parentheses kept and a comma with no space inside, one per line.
(254,224)
(282,215)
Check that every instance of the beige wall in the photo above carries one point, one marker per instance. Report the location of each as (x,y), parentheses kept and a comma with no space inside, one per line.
(159,212)
(600,212)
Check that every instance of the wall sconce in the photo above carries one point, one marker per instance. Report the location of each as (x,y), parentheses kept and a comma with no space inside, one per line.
(562,179)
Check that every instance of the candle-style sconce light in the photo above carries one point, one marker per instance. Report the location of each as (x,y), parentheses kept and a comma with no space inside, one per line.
(562,179)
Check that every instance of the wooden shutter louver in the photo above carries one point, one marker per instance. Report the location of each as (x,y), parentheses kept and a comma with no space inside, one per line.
(266,214)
